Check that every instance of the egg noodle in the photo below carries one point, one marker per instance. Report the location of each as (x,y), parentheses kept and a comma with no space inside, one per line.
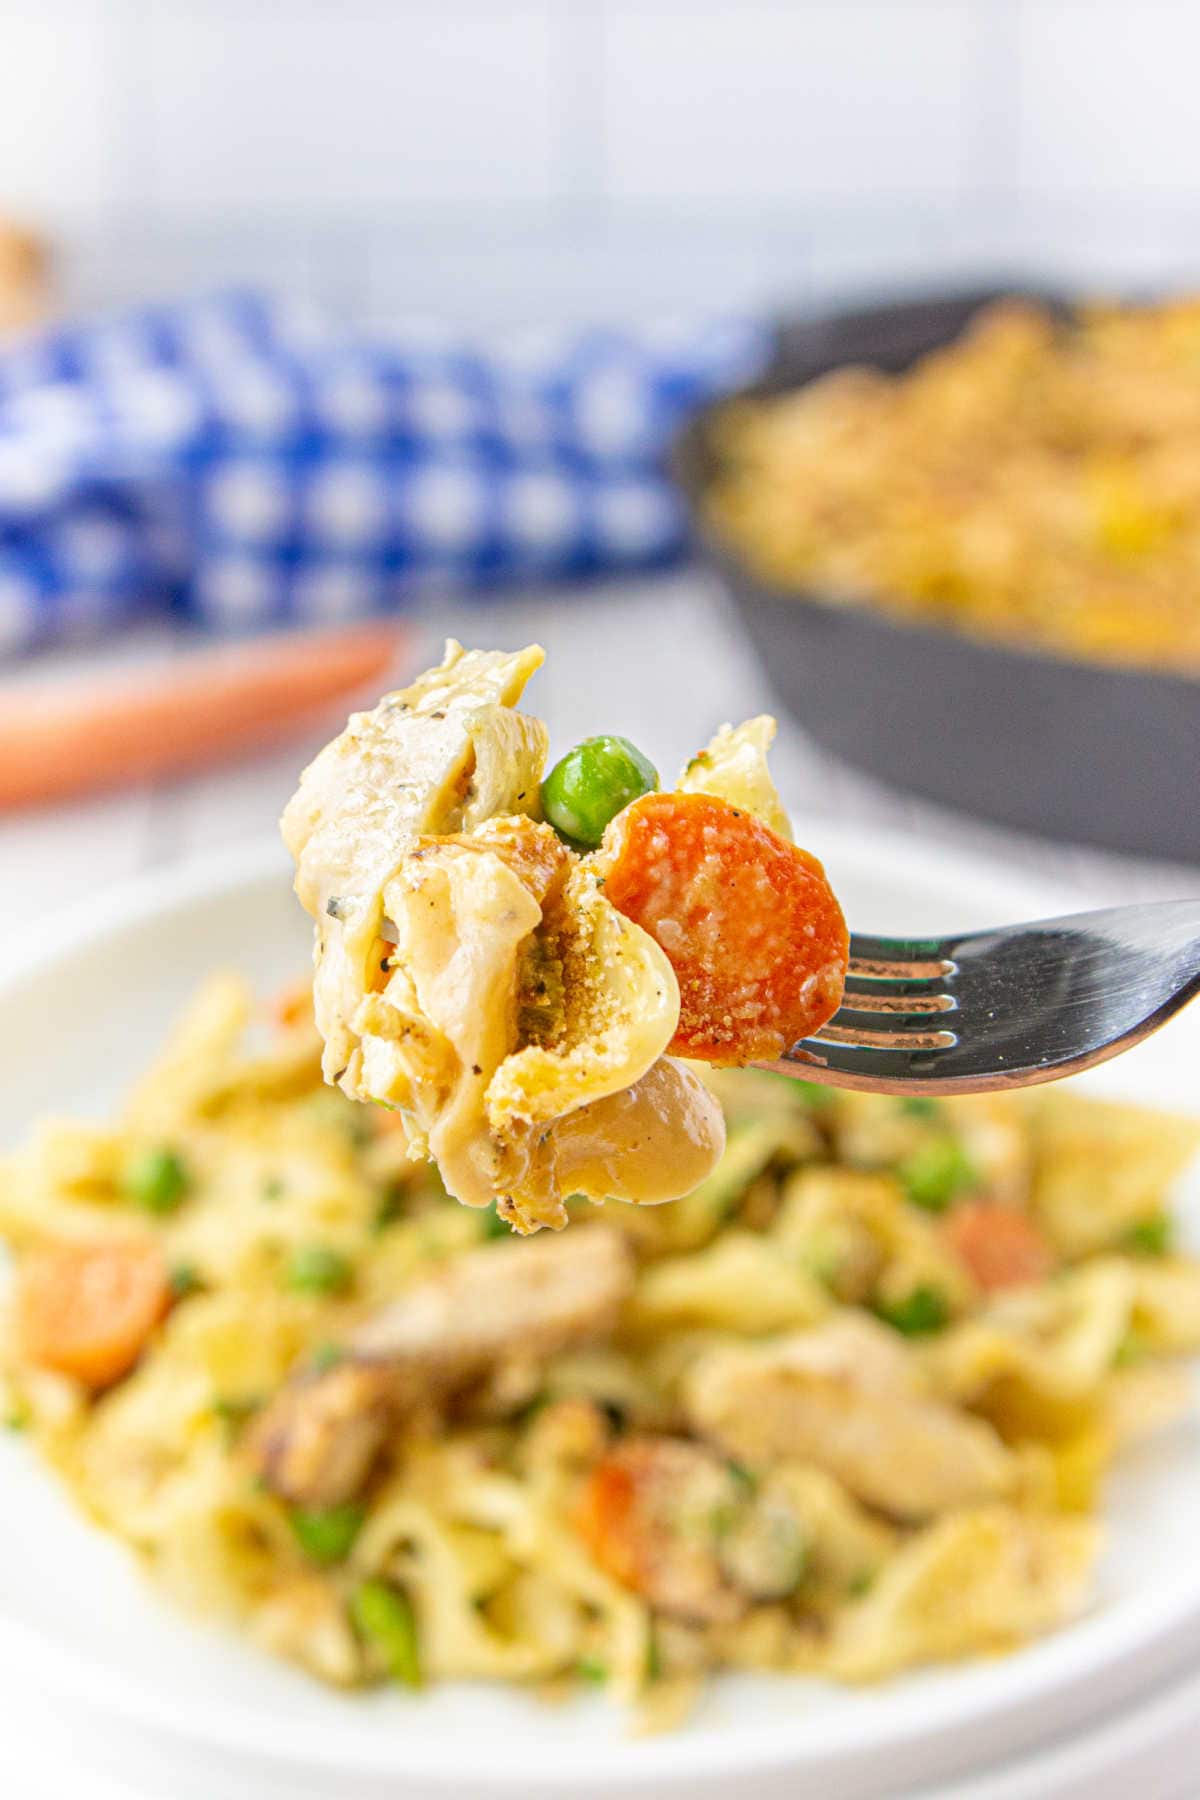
(844,1409)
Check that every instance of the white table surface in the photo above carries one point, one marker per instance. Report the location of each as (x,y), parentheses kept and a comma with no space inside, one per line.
(658,661)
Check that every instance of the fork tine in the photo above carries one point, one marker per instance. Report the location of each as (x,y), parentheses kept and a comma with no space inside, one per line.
(896,968)
(838,1032)
(909,1001)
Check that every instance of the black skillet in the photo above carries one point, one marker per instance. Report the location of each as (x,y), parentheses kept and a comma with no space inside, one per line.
(1074,750)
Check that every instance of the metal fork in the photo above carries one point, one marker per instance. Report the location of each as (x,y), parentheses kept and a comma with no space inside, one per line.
(1004,1008)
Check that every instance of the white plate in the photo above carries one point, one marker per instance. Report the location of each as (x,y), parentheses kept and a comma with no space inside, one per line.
(85,1007)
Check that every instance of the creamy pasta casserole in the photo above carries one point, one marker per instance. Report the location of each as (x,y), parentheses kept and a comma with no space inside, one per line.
(845,1407)
(1036,481)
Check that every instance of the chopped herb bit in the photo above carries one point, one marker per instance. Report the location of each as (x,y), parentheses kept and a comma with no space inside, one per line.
(654,1666)
(862,1583)
(616,1414)
(745,1477)
(336,907)
(327,1356)
(184,1279)
(919,1106)
(319,1269)
(937,1173)
(390,1207)
(18,1418)
(721,1520)
(590,1668)
(1149,1237)
(360,1127)
(326,1533)
(273,1188)
(384,1614)
(233,1413)
(157,1180)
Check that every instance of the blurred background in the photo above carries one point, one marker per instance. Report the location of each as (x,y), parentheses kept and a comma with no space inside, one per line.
(582,159)
(455,203)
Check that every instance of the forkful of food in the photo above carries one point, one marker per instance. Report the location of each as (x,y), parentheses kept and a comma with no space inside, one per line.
(526,967)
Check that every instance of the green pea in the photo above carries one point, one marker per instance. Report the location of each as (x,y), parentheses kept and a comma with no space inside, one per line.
(1149,1237)
(919,1106)
(390,1208)
(923,1311)
(590,1668)
(317,1269)
(384,1614)
(326,1533)
(157,1180)
(937,1173)
(591,784)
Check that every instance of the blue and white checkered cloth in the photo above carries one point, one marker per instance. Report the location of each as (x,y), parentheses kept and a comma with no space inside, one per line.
(246,463)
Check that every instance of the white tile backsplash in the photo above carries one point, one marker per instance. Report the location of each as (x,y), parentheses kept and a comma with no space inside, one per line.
(558,159)
(59,98)
(780,105)
(365,105)
(1108,97)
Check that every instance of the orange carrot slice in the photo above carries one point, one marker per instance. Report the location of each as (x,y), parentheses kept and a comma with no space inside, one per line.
(999,1245)
(604,1517)
(80,737)
(87,1309)
(748,921)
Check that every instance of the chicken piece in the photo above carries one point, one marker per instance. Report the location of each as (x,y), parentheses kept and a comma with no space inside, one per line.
(675,1523)
(316,1442)
(848,1397)
(442,755)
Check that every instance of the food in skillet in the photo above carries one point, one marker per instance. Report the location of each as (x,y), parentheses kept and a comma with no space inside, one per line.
(844,1409)
(514,965)
(1036,481)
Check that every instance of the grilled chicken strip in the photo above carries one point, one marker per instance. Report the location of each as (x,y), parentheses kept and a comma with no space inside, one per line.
(843,1396)
(316,1442)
